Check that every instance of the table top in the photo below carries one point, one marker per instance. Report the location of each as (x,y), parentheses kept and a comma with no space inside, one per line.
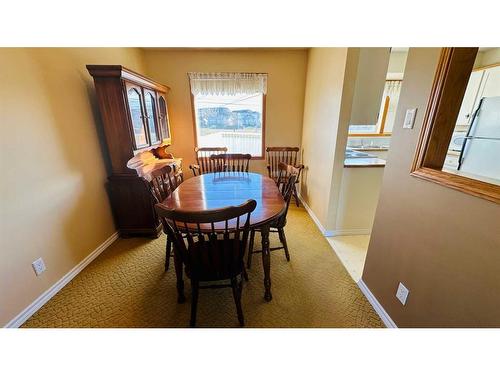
(222,189)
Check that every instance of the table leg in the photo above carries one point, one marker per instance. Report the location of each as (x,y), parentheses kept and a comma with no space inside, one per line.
(266,261)
(179,277)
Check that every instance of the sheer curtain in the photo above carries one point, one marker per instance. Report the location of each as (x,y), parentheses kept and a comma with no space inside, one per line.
(227,83)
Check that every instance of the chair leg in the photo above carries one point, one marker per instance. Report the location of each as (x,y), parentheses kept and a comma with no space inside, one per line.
(179,277)
(250,249)
(237,289)
(245,274)
(296,196)
(168,251)
(281,233)
(194,301)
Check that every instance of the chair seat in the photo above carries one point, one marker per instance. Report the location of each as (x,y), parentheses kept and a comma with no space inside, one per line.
(285,178)
(210,267)
(277,223)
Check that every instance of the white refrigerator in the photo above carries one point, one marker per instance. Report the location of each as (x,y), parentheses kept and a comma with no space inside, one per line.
(480,153)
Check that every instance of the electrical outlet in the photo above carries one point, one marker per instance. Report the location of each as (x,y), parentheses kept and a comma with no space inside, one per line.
(402,293)
(38,266)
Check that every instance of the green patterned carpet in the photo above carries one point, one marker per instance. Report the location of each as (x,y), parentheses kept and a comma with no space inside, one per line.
(126,286)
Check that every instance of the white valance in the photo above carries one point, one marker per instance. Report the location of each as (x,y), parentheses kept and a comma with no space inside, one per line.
(228,83)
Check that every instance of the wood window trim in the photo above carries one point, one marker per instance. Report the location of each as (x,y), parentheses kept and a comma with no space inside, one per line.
(444,103)
(263,145)
(384,115)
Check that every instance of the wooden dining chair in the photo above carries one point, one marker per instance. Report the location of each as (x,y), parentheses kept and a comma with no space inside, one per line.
(162,183)
(203,163)
(231,162)
(288,174)
(211,245)
(287,155)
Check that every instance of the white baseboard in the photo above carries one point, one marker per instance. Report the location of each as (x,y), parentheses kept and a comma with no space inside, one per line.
(350,232)
(389,323)
(49,293)
(332,233)
(324,232)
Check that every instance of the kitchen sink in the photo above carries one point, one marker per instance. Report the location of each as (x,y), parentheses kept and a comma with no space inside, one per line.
(351,154)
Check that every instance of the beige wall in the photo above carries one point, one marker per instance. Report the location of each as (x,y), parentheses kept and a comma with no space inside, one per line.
(327,108)
(285,94)
(442,244)
(369,87)
(54,203)
(358,198)
(397,62)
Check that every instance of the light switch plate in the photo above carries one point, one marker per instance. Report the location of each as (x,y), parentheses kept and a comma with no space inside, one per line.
(402,293)
(410,118)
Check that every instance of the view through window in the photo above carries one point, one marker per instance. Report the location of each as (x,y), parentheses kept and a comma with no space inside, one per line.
(234,121)
(389,99)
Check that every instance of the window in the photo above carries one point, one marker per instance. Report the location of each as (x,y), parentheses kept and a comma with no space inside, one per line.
(228,110)
(387,113)
(459,145)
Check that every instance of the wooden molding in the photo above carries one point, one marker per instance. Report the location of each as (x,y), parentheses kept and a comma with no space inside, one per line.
(126,74)
(450,82)
(467,185)
(384,114)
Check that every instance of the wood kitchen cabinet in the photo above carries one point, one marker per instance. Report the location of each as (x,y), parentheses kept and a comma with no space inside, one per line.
(135,121)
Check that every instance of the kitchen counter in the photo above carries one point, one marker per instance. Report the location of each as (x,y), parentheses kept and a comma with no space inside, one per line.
(370,148)
(363,162)
(360,159)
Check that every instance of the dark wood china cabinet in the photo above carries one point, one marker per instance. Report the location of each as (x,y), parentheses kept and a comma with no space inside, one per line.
(137,131)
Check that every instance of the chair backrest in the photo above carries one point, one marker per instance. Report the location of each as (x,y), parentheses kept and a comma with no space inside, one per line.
(210,243)
(275,155)
(287,177)
(203,157)
(163,182)
(231,162)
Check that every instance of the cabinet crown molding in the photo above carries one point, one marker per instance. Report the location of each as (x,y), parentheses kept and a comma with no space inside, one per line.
(119,71)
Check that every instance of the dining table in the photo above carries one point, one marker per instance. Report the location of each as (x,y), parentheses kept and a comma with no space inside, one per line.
(222,189)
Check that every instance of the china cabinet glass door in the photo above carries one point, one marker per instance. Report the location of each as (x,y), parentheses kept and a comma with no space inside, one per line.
(162,104)
(134,98)
(152,116)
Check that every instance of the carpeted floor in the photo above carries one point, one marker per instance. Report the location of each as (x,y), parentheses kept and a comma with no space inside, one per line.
(126,286)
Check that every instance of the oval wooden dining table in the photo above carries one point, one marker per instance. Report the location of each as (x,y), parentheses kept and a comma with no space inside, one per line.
(222,189)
